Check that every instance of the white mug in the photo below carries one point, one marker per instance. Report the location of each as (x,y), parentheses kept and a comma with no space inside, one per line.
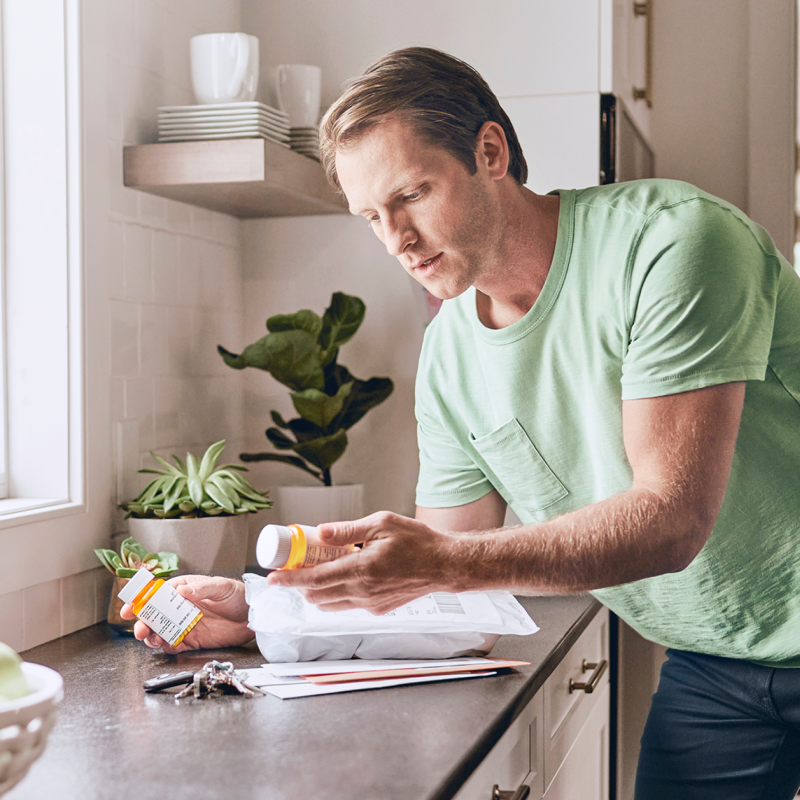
(224,67)
(297,87)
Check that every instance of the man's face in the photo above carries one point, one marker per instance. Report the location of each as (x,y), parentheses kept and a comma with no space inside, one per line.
(442,223)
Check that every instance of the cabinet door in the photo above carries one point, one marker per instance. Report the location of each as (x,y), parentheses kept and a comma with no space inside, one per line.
(583,773)
(566,711)
(515,759)
(631,49)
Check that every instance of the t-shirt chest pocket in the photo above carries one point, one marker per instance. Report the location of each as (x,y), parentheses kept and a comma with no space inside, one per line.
(518,466)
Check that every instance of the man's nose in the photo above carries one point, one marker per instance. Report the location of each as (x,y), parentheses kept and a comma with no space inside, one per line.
(398,234)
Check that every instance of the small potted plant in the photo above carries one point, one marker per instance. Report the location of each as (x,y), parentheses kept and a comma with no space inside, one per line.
(300,350)
(123,566)
(199,510)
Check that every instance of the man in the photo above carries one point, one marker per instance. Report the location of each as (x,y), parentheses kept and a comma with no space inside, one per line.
(620,366)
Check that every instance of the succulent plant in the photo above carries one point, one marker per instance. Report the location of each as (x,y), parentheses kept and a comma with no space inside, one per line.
(196,489)
(300,351)
(132,557)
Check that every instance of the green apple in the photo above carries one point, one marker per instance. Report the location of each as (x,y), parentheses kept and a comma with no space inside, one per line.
(12,680)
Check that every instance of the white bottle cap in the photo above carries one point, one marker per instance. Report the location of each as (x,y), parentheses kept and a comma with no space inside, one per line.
(274,546)
(135,585)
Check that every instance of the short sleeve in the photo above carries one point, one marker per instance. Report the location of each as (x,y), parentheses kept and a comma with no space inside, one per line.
(448,477)
(701,301)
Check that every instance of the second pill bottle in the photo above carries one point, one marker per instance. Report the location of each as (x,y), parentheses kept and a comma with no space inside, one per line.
(293,546)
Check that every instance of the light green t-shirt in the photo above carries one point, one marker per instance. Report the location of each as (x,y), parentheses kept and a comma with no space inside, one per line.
(655,288)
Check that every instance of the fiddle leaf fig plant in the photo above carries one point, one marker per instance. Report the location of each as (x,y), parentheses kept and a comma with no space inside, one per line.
(193,488)
(300,351)
(132,557)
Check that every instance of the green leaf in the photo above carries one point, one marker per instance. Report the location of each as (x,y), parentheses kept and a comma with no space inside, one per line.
(293,460)
(106,559)
(195,489)
(126,572)
(290,356)
(366,395)
(280,440)
(191,466)
(219,497)
(324,451)
(210,459)
(303,320)
(339,324)
(318,407)
(170,469)
(175,492)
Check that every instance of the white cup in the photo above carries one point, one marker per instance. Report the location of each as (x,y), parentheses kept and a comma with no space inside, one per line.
(224,67)
(297,87)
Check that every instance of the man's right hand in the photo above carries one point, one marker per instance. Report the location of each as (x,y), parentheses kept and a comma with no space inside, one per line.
(224,622)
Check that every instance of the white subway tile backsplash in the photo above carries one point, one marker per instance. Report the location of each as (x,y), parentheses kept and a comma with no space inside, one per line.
(124,339)
(41,613)
(176,34)
(11,619)
(126,459)
(116,388)
(116,266)
(153,356)
(179,217)
(114,92)
(152,210)
(139,406)
(166,275)
(190,259)
(138,259)
(79,601)
(150,37)
(182,340)
(167,399)
(123,202)
(121,21)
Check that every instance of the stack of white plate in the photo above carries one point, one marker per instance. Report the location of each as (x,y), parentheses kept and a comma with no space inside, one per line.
(245,120)
(305,141)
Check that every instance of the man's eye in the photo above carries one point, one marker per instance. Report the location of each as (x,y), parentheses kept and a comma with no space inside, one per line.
(413,196)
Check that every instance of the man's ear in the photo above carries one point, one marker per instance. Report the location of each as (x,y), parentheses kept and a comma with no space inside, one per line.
(492,150)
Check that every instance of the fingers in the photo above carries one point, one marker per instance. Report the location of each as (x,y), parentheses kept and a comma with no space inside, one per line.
(340,534)
(319,576)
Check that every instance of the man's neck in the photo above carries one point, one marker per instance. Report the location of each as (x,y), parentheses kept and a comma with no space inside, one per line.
(509,292)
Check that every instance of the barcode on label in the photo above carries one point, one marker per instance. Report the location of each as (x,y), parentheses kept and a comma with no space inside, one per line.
(448,603)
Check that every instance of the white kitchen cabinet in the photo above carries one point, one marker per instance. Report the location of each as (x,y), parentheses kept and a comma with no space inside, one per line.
(626,48)
(559,745)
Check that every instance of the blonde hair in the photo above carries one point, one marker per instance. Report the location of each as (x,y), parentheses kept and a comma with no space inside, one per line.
(443,98)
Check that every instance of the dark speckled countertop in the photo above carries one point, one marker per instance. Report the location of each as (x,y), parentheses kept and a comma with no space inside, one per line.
(112,741)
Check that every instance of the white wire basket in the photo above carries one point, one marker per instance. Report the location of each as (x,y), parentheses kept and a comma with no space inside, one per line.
(26,722)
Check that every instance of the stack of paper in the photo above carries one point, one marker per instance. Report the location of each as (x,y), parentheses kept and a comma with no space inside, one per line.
(310,678)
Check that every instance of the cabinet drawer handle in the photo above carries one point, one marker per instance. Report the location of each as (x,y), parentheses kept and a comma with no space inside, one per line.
(590,685)
(520,794)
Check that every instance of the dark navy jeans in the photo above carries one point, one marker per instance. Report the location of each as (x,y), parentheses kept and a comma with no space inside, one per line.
(721,729)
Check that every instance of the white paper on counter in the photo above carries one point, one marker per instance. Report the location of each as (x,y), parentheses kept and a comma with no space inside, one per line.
(305,689)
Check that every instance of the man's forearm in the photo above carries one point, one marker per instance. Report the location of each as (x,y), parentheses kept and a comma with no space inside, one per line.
(633,535)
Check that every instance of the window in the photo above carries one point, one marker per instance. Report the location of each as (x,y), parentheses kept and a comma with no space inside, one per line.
(42,258)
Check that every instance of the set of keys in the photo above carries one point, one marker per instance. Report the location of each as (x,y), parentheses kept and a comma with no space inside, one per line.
(215,676)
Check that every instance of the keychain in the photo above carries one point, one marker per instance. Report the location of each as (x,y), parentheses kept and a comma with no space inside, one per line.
(214,676)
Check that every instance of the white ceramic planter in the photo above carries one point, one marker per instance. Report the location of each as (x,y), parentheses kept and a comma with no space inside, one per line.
(311,505)
(205,546)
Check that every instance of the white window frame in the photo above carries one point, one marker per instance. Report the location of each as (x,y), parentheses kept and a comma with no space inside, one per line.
(50,542)
(42,249)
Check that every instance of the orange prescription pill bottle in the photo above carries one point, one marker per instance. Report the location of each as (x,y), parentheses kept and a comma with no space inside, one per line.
(160,606)
(293,546)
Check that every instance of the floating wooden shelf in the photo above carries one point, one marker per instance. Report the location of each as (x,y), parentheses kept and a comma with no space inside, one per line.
(243,177)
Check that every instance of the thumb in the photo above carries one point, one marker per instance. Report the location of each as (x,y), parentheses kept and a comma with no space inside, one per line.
(340,534)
